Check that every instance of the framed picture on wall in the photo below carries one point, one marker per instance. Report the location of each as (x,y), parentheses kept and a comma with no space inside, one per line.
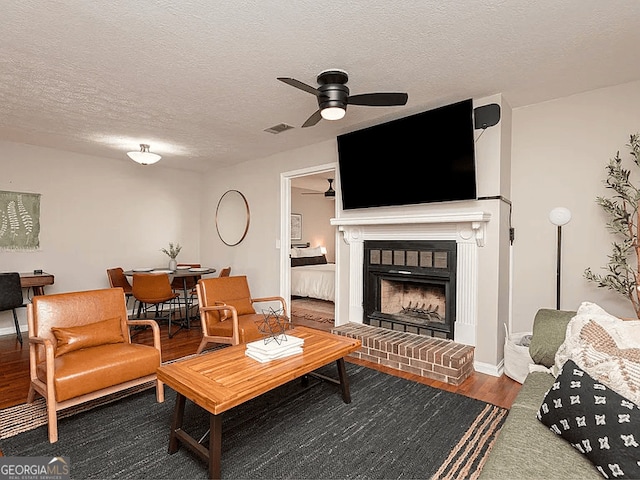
(296,226)
(19,221)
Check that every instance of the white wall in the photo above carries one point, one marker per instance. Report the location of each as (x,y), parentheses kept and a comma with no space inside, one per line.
(316,211)
(98,213)
(560,151)
(133,211)
(258,255)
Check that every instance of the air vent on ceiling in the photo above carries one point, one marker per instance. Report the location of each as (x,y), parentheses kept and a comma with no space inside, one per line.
(281,127)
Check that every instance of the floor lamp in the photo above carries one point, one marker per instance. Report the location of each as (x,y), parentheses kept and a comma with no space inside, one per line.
(559,216)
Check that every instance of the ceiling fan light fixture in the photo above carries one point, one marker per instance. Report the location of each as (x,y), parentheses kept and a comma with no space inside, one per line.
(144,156)
(330,193)
(333,113)
(333,96)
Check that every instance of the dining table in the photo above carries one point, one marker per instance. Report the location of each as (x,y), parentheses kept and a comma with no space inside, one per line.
(181,272)
(36,280)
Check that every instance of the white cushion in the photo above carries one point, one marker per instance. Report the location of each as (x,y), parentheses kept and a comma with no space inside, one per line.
(306,252)
(605,347)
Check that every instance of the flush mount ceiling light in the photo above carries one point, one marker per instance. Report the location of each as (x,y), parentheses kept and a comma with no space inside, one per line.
(144,156)
(333,113)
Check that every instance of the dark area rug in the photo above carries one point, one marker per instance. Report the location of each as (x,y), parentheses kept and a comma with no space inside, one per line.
(394,428)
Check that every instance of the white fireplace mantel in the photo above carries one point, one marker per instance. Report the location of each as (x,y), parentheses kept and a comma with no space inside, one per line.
(473,223)
(468,229)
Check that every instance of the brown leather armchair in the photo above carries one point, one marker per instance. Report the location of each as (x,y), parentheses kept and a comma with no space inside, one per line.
(227,311)
(80,349)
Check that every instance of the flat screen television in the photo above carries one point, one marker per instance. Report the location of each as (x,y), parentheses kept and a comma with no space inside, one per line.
(423,158)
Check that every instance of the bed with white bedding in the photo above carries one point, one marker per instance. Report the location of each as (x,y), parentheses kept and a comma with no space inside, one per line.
(311,275)
(315,281)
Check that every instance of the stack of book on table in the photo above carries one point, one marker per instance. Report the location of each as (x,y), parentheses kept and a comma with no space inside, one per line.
(283,346)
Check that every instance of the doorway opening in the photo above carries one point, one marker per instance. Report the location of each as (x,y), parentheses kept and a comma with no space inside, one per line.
(308,247)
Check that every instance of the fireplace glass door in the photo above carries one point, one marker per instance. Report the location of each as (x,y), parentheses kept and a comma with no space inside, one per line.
(410,286)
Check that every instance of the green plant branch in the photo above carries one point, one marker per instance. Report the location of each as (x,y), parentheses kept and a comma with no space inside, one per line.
(623,209)
(173,251)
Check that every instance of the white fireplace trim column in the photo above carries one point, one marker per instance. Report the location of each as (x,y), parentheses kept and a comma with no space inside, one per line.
(468,229)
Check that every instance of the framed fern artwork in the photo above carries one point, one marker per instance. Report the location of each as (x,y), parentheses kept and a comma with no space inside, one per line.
(19,221)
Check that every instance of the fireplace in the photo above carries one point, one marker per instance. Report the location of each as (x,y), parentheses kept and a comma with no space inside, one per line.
(468,229)
(410,286)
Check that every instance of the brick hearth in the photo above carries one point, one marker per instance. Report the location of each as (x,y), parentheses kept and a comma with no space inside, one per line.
(434,358)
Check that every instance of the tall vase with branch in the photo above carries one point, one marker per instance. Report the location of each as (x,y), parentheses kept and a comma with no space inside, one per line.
(172,252)
(624,220)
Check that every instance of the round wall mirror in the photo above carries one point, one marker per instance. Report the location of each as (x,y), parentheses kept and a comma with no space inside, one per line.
(232,217)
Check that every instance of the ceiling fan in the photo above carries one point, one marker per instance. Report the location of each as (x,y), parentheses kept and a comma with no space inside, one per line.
(333,96)
(330,193)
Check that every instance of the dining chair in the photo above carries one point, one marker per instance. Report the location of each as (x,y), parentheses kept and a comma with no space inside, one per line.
(227,312)
(117,278)
(11,297)
(225,272)
(153,290)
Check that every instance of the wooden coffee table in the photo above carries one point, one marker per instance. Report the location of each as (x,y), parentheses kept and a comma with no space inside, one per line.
(221,380)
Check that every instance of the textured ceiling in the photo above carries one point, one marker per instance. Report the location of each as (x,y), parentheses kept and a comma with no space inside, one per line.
(196,79)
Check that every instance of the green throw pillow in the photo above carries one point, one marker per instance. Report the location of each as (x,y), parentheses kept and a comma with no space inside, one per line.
(549,330)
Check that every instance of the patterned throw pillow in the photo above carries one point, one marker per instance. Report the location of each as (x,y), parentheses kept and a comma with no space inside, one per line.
(605,347)
(598,422)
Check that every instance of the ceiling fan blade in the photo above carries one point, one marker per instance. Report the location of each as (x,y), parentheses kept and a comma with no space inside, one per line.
(298,84)
(312,120)
(378,99)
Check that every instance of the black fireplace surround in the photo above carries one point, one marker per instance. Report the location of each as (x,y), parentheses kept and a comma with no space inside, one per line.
(410,286)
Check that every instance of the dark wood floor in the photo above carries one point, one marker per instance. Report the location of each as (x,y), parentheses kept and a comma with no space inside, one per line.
(14,374)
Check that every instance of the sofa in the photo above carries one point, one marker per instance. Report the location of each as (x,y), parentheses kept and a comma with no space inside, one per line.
(525,447)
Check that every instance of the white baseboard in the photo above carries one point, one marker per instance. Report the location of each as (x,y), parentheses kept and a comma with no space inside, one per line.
(12,330)
(494,370)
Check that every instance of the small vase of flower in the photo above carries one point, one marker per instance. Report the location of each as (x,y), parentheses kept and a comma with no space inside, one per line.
(172,252)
